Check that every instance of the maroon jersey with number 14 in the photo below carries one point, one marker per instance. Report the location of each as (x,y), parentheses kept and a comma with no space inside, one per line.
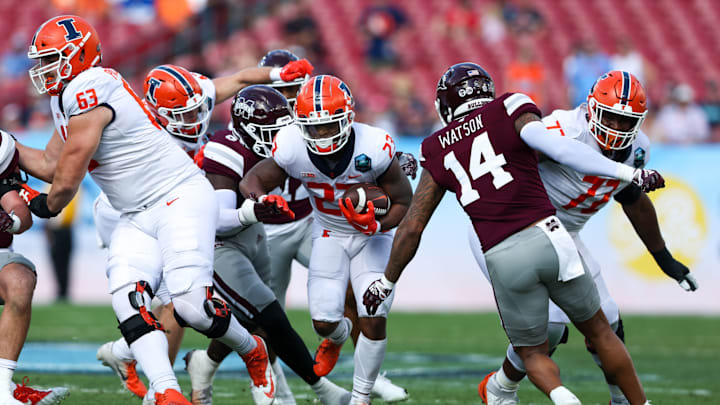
(491,170)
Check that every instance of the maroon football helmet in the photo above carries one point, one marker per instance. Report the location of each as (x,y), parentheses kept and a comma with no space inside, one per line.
(280,58)
(464,87)
(258,112)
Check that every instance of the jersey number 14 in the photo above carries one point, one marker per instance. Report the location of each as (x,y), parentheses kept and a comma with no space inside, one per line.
(481,149)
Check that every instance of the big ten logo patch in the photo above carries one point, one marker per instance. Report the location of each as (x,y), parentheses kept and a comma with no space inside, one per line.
(683,223)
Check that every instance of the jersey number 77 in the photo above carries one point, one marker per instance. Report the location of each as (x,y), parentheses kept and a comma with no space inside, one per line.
(493,164)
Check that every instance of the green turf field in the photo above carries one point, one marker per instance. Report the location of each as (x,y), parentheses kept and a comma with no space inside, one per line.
(439,358)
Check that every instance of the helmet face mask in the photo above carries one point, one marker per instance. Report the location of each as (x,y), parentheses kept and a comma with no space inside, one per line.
(190,121)
(63,52)
(258,113)
(616,110)
(325,112)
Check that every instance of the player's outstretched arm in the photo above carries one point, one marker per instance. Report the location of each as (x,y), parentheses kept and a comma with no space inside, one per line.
(581,157)
(84,133)
(228,86)
(643,217)
(397,187)
(41,163)
(407,238)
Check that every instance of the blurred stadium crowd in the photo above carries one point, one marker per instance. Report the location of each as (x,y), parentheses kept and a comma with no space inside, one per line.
(392,53)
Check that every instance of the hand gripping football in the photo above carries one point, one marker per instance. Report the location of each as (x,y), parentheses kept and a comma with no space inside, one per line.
(360,194)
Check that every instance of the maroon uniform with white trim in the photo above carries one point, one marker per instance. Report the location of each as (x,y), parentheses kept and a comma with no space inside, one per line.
(493,172)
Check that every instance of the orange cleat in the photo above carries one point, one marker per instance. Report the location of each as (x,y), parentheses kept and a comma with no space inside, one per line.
(326,357)
(258,365)
(171,397)
(482,387)
(124,369)
(32,396)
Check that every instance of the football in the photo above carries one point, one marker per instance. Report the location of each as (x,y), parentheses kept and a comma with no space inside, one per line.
(359,194)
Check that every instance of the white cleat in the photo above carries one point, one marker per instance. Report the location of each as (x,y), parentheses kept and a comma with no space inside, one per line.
(32,396)
(387,391)
(493,399)
(6,398)
(202,372)
(283,394)
(262,384)
(149,398)
(124,369)
(330,394)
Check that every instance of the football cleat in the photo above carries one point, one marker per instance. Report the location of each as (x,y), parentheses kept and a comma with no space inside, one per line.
(124,369)
(258,365)
(149,398)
(326,356)
(492,398)
(171,397)
(31,396)
(387,391)
(283,393)
(201,377)
(330,394)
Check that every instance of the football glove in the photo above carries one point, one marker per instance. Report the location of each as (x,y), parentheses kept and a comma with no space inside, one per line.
(408,164)
(6,221)
(648,180)
(675,270)
(271,206)
(376,293)
(296,69)
(365,223)
(39,207)
(27,193)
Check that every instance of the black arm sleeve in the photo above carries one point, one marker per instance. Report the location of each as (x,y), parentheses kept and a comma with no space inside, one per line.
(629,194)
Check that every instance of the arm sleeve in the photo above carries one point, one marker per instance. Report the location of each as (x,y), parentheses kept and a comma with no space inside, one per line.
(228,217)
(572,153)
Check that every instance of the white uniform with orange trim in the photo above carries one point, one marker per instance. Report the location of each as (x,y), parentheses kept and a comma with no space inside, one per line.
(339,252)
(151,181)
(577,197)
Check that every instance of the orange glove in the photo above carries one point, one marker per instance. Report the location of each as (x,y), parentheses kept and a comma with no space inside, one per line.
(276,204)
(28,193)
(296,69)
(365,223)
(199,156)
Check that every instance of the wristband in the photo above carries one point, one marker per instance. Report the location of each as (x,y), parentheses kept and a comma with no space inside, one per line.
(663,257)
(17,223)
(624,172)
(387,283)
(275,74)
(246,213)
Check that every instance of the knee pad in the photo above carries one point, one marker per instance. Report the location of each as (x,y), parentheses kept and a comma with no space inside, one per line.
(215,310)
(144,322)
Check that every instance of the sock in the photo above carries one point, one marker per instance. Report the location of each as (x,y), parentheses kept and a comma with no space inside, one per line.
(505,383)
(238,338)
(562,396)
(151,350)
(201,381)
(7,369)
(616,394)
(282,389)
(341,333)
(121,350)
(369,355)
(286,343)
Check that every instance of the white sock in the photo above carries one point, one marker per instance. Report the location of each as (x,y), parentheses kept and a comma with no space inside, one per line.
(515,359)
(281,385)
(616,393)
(151,350)
(121,350)
(201,381)
(7,369)
(504,382)
(342,332)
(369,355)
(563,396)
(238,338)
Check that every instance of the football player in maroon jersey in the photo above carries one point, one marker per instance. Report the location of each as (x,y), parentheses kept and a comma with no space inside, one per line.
(486,155)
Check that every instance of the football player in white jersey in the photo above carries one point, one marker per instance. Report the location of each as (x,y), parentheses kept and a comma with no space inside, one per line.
(347,245)
(101,126)
(290,240)
(610,123)
(182,103)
